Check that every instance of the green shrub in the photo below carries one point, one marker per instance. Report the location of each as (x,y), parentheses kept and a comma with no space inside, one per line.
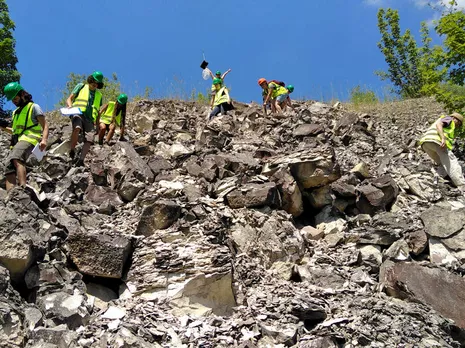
(359,96)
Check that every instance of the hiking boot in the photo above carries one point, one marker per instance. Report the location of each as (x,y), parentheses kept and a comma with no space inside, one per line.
(72,154)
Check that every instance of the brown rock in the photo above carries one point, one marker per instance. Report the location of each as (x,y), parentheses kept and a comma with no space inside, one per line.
(417,241)
(254,195)
(442,290)
(99,255)
(159,215)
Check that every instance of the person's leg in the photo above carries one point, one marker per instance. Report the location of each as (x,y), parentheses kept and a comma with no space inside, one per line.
(10,181)
(121,132)
(15,170)
(111,132)
(101,132)
(88,139)
(76,122)
(222,109)
(451,166)
(431,150)
(20,172)
(215,111)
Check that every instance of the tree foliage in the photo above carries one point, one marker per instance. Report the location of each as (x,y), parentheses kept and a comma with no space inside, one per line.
(8,59)
(110,91)
(402,55)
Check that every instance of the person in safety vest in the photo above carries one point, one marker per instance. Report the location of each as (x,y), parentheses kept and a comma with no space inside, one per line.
(89,100)
(111,115)
(276,95)
(287,102)
(28,129)
(220,102)
(437,142)
(218,75)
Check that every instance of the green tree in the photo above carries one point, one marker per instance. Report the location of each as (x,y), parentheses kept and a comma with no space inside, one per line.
(410,68)
(110,91)
(8,59)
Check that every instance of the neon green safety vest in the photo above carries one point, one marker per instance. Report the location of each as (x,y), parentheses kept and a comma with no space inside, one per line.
(83,98)
(25,127)
(433,136)
(277,90)
(222,96)
(108,115)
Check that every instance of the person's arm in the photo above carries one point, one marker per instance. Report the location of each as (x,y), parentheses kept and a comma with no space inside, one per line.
(212,101)
(102,110)
(226,73)
(268,96)
(211,74)
(70,100)
(44,124)
(439,127)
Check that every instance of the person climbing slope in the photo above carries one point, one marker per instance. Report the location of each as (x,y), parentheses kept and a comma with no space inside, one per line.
(273,92)
(89,100)
(220,101)
(28,129)
(437,142)
(111,115)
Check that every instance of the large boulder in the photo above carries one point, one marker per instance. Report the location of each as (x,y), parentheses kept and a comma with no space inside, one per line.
(442,290)
(254,195)
(20,232)
(443,222)
(312,167)
(159,215)
(99,255)
(376,194)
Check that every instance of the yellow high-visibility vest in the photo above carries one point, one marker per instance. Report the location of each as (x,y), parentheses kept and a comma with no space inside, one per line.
(25,127)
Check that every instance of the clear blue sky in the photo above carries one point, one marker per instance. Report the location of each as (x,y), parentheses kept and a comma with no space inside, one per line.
(323,47)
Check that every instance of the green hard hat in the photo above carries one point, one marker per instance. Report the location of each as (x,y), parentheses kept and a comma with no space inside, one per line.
(98,76)
(218,72)
(217,81)
(12,89)
(290,88)
(122,99)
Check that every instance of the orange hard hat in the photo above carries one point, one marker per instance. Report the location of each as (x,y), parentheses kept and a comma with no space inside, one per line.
(261,80)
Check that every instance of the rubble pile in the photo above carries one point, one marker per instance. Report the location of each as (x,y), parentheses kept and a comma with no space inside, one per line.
(324,228)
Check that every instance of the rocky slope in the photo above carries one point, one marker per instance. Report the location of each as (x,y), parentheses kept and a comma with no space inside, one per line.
(325,228)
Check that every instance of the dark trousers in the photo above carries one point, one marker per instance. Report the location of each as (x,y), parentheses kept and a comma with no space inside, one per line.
(217,109)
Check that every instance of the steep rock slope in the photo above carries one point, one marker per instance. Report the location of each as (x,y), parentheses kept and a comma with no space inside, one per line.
(324,228)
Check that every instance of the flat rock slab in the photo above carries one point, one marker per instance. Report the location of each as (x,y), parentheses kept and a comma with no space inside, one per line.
(99,255)
(442,222)
(254,195)
(442,290)
(307,129)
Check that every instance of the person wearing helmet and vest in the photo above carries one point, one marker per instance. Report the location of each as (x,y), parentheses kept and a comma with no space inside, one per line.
(437,142)
(111,115)
(276,95)
(220,102)
(218,75)
(287,102)
(28,129)
(89,100)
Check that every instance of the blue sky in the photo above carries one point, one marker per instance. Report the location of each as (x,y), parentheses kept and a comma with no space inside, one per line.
(323,47)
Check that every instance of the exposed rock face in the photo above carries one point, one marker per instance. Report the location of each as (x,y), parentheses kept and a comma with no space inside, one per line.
(440,289)
(247,231)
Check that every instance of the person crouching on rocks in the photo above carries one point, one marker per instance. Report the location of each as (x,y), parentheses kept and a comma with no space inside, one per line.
(220,102)
(111,115)
(437,142)
(276,94)
(28,129)
(287,101)
(89,100)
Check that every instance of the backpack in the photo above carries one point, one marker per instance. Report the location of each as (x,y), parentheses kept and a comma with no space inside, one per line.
(281,83)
